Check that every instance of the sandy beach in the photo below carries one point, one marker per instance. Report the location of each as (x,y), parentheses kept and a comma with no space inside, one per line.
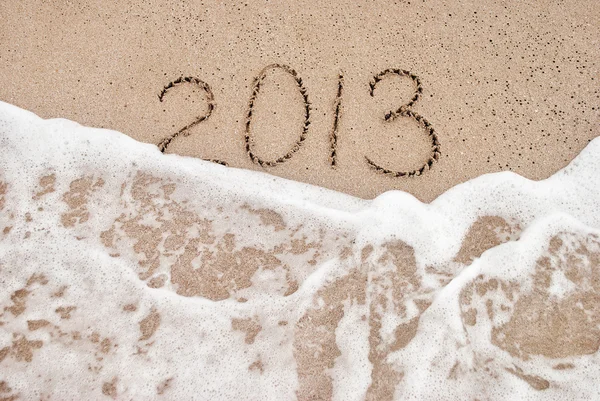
(129,272)
(506,86)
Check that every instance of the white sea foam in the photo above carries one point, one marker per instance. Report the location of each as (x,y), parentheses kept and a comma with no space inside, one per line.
(130,274)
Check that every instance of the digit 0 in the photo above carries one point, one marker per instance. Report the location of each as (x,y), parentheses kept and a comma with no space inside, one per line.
(404,111)
(249,138)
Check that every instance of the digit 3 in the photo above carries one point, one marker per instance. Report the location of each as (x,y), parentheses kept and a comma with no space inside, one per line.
(404,111)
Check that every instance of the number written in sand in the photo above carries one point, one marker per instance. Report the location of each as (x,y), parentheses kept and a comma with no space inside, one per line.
(404,111)
(249,137)
(337,106)
(210,99)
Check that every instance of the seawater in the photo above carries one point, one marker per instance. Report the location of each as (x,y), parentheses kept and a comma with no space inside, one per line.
(129,274)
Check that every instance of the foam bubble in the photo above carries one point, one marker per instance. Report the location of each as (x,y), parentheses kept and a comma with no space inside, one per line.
(126,273)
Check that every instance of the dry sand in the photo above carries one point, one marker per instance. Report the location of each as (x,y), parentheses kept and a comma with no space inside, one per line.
(511,85)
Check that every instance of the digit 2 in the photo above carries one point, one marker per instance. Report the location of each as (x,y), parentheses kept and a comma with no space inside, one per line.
(164,144)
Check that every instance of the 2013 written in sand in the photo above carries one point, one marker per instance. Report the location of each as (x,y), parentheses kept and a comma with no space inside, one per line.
(403,111)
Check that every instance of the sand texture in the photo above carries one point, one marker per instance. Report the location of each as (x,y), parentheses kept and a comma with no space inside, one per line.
(354,96)
(127,273)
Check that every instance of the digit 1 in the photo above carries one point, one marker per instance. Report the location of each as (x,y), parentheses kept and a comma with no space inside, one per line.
(337,104)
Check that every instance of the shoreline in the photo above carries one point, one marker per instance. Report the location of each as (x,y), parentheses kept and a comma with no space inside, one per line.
(503,89)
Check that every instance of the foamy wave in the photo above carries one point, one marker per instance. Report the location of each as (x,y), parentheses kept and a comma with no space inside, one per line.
(129,274)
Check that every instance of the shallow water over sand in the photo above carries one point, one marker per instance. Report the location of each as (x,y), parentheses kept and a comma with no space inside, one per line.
(128,274)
